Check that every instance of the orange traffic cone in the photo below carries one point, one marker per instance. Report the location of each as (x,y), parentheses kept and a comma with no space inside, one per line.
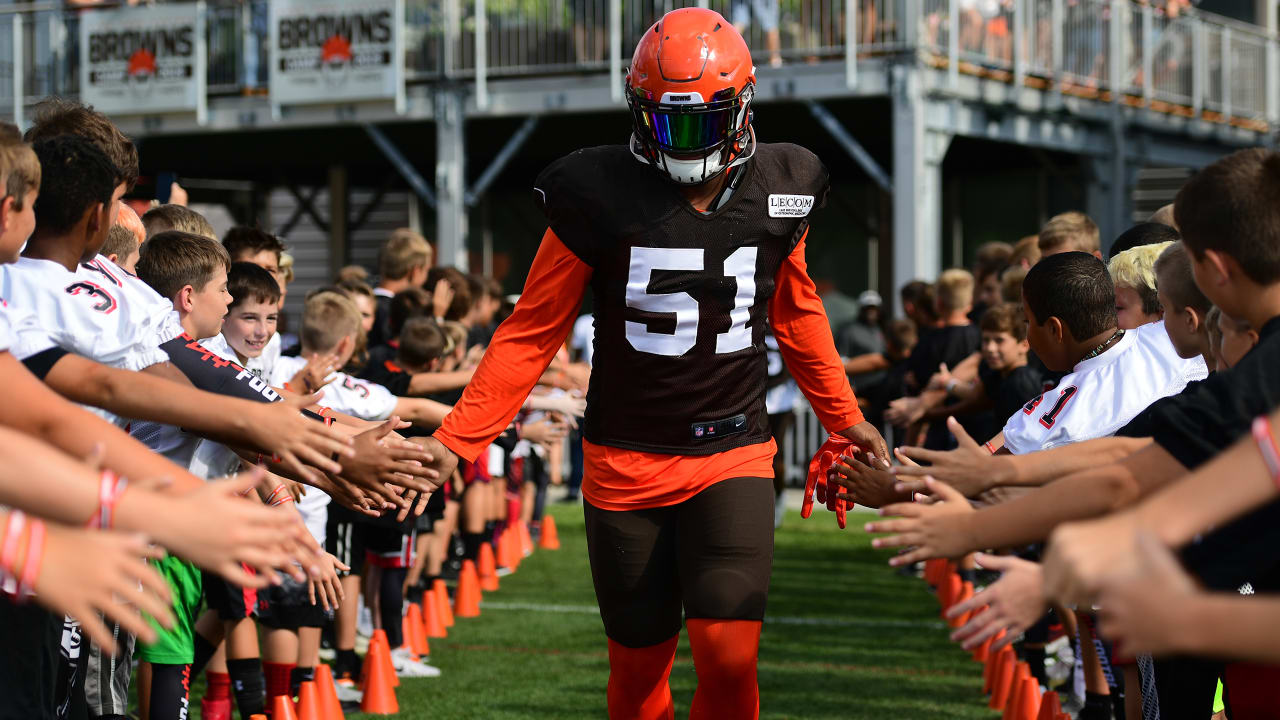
(526,540)
(1021,672)
(550,539)
(309,705)
(949,591)
(989,671)
(966,592)
(379,687)
(328,694)
(257,717)
(1050,707)
(282,708)
(1028,706)
(431,620)
(383,657)
(466,601)
(442,601)
(379,653)
(933,571)
(1002,680)
(487,569)
(508,550)
(416,632)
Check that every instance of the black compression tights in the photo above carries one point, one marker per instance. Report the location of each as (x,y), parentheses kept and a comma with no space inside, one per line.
(170,691)
(391,604)
(710,555)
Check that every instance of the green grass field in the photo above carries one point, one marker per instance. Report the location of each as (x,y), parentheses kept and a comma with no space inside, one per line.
(845,638)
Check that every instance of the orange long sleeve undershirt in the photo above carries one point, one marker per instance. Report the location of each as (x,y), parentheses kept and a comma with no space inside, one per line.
(618,479)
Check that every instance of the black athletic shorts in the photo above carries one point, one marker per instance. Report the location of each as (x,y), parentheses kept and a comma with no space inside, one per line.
(344,538)
(710,556)
(288,606)
(230,601)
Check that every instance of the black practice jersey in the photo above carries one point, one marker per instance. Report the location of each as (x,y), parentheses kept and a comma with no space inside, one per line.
(681,297)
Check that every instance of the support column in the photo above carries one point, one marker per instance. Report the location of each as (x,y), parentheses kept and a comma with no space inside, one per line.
(338,202)
(1109,195)
(451,187)
(917,184)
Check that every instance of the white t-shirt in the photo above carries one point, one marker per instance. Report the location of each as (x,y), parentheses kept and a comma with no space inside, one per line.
(153,308)
(1102,394)
(20,332)
(87,316)
(346,394)
(265,363)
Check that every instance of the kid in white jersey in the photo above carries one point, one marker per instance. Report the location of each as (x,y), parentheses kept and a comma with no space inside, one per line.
(1115,374)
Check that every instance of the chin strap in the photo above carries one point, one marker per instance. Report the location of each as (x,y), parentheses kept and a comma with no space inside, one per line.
(667,164)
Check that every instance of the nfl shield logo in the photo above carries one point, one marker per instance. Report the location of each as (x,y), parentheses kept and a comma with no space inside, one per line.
(697,432)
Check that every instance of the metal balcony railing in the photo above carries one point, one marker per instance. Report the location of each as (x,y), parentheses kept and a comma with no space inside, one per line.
(1163,55)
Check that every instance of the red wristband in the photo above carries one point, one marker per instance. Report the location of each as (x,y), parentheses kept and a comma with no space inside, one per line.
(279,496)
(35,555)
(990,448)
(110,488)
(1267,447)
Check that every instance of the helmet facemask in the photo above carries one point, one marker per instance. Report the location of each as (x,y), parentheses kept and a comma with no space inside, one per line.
(689,139)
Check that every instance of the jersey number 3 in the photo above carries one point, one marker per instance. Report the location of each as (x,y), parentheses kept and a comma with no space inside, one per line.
(105,303)
(741,266)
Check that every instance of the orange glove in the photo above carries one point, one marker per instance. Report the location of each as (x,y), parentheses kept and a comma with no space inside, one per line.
(816,483)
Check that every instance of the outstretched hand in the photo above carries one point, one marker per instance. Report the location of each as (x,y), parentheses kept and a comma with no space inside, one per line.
(218,529)
(936,530)
(1013,603)
(383,460)
(304,446)
(867,480)
(1139,606)
(87,572)
(1081,554)
(970,468)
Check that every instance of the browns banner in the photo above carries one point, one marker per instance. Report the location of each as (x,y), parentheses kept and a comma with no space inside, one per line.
(143,60)
(325,51)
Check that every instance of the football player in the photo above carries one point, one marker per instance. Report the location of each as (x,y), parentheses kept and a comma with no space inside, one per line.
(691,238)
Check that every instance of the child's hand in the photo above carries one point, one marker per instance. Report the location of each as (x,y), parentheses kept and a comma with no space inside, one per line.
(441,298)
(473,356)
(328,587)
(904,411)
(302,444)
(84,573)
(218,529)
(941,379)
(543,431)
(381,460)
(317,373)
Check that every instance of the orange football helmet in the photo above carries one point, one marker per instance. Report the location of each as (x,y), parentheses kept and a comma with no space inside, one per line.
(689,88)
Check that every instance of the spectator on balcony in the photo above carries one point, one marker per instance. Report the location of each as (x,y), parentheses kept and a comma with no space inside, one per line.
(766,16)
(255,44)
